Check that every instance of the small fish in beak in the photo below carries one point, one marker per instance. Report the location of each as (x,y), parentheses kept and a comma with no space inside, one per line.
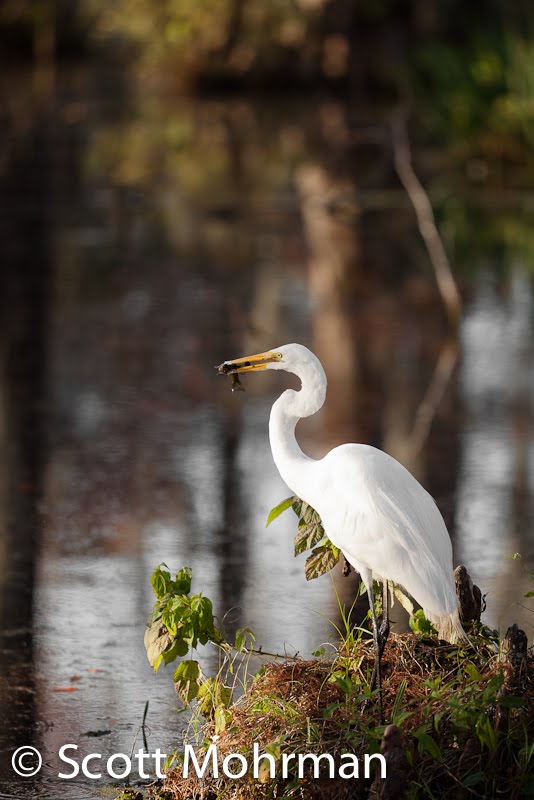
(237,386)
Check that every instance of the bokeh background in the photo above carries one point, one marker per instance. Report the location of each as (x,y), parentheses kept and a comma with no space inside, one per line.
(187,181)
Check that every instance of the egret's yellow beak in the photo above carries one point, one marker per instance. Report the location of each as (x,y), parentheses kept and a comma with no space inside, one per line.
(248,363)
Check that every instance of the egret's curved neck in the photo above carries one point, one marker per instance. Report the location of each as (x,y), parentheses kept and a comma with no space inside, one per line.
(291,406)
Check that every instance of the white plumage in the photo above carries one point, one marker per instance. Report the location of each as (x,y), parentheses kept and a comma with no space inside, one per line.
(372,508)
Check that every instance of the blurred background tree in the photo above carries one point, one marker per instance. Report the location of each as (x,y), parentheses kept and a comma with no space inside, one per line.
(468,69)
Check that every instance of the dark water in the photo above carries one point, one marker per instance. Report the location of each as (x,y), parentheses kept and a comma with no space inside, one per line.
(145,240)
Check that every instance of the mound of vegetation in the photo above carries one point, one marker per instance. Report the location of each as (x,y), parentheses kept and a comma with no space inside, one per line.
(459,718)
(461,725)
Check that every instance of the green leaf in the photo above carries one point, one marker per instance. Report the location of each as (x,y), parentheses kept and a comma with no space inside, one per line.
(168,619)
(205,698)
(182,582)
(241,639)
(307,536)
(223,717)
(472,672)
(399,718)
(187,679)
(188,635)
(213,694)
(205,613)
(306,513)
(427,743)
(436,719)
(161,581)
(398,700)
(313,516)
(529,594)
(473,779)
(178,649)
(511,702)
(486,734)
(322,560)
(279,509)
(296,505)
(420,624)
(180,604)
(345,684)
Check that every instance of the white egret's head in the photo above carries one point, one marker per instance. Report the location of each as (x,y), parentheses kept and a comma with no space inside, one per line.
(289,357)
(298,360)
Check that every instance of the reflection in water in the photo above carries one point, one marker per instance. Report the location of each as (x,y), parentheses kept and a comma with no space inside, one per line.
(188,236)
(495,479)
(24,285)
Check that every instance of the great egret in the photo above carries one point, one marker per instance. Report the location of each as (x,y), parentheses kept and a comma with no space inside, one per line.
(373,509)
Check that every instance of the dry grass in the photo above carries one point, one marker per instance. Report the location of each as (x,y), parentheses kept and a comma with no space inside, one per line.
(317,706)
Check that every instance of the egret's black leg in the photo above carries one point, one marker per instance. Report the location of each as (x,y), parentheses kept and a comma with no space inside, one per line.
(377,672)
(383,631)
(384,625)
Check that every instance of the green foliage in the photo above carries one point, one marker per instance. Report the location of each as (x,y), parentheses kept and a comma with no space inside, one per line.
(464,83)
(468,705)
(190,37)
(244,638)
(179,623)
(322,559)
(129,794)
(310,526)
(444,698)
(472,74)
(420,625)
(397,715)
(214,701)
(310,532)
(162,583)
(187,680)
(515,108)
(279,509)
(426,744)
(308,535)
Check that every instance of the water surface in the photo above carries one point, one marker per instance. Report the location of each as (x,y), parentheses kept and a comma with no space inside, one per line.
(147,241)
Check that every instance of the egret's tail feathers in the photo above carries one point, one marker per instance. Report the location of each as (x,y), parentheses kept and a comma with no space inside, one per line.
(450,628)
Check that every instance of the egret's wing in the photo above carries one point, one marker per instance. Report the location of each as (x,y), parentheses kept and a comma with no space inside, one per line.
(388,523)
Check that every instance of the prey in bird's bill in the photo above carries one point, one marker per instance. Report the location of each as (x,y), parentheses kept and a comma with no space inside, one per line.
(226,369)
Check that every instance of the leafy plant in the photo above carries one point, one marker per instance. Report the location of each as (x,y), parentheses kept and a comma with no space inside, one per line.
(420,624)
(310,534)
(445,700)
(180,622)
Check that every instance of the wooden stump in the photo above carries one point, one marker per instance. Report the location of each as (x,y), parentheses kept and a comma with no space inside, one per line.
(469,596)
(393,786)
